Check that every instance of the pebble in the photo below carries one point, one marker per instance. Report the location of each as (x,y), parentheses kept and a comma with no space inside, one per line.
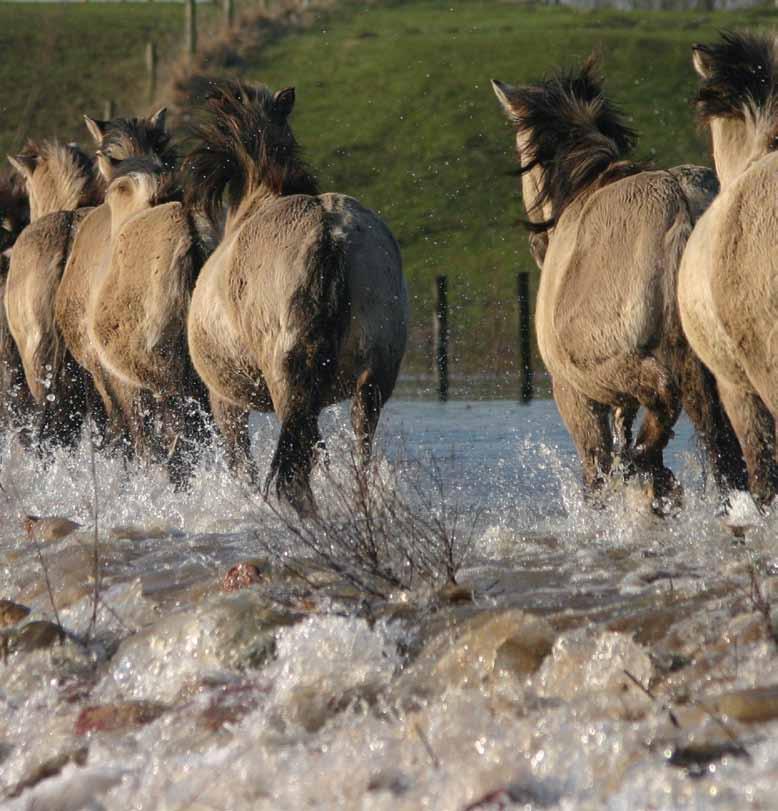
(11,613)
(241,576)
(111,717)
(48,528)
(34,635)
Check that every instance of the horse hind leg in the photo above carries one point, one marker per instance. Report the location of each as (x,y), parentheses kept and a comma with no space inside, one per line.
(589,425)
(232,425)
(294,458)
(755,428)
(365,413)
(702,403)
(658,393)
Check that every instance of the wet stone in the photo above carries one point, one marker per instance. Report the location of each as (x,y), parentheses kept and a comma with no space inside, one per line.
(118,716)
(241,576)
(11,613)
(748,706)
(49,768)
(477,647)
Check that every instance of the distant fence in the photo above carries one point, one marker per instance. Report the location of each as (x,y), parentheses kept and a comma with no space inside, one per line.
(440,336)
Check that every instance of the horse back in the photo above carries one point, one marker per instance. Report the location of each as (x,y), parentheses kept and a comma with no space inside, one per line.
(609,277)
(137,319)
(88,258)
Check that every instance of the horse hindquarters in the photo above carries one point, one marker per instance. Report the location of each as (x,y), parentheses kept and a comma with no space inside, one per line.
(319,318)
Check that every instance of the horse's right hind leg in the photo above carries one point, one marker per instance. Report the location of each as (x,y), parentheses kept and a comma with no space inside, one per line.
(755,429)
(232,423)
(589,426)
(365,413)
(702,403)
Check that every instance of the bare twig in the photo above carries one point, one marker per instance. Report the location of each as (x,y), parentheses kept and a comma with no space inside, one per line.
(379,532)
(96,546)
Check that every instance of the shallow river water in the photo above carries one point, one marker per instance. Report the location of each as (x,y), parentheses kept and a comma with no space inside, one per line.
(586,659)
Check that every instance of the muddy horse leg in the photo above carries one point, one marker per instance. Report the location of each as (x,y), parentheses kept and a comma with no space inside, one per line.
(755,429)
(62,416)
(588,424)
(188,429)
(232,423)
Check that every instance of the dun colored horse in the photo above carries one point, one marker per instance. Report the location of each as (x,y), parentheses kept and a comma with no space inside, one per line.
(728,285)
(137,315)
(302,304)
(609,237)
(61,184)
(118,140)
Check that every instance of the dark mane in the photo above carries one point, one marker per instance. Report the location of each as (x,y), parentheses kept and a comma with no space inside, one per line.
(741,76)
(169,187)
(14,208)
(242,143)
(139,136)
(576,136)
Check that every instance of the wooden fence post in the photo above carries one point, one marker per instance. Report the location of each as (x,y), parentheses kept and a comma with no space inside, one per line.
(229,13)
(190,29)
(151,68)
(440,332)
(525,333)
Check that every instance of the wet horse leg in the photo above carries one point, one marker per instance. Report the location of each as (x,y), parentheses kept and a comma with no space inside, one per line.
(755,429)
(622,419)
(294,457)
(658,394)
(232,423)
(702,403)
(365,413)
(588,424)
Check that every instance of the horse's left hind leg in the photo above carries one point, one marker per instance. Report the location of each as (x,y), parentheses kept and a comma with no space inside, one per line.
(365,412)
(662,401)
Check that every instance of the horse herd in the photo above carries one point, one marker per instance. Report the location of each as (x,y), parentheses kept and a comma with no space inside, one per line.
(157,296)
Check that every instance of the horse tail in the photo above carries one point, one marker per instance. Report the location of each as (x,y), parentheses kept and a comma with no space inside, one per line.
(319,315)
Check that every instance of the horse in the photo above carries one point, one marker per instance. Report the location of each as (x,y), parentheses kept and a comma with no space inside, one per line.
(302,304)
(608,236)
(137,314)
(15,398)
(62,184)
(728,286)
(117,140)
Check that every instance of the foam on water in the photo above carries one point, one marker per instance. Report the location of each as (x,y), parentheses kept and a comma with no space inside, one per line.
(284,697)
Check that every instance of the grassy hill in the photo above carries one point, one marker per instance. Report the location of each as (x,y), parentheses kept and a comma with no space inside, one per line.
(394,107)
(58,61)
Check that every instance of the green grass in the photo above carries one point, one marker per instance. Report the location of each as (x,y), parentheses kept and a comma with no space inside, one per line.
(58,61)
(394,107)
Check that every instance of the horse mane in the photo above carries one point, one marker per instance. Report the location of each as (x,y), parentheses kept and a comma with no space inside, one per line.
(72,169)
(742,76)
(168,188)
(575,134)
(137,136)
(14,208)
(242,143)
